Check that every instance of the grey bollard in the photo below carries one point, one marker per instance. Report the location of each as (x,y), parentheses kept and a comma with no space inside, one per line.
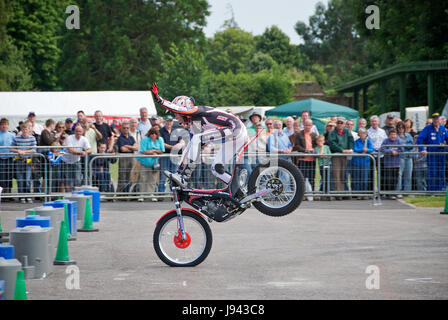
(28,271)
(8,273)
(33,242)
(56,216)
(81,200)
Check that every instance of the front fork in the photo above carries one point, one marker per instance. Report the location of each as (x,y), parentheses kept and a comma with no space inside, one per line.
(180,219)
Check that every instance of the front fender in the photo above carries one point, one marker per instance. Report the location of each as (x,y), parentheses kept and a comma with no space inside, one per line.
(186,209)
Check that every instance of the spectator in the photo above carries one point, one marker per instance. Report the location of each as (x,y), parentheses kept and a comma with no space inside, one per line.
(360,165)
(101,169)
(334,118)
(105,130)
(405,172)
(305,116)
(68,126)
(289,129)
(324,163)
(36,127)
(92,134)
(428,121)
(77,146)
(170,140)
(278,142)
(47,134)
(410,127)
(305,142)
(135,132)
(23,164)
(259,145)
(390,123)
(6,161)
(377,136)
(362,123)
(269,126)
(56,173)
(255,119)
(328,128)
(156,121)
(81,117)
(340,141)
(349,125)
(60,132)
(434,134)
(391,150)
(443,121)
(420,169)
(151,144)
(126,145)
(296,127)
(144,124)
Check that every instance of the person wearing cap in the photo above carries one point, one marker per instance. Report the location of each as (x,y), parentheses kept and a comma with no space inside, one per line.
(68,126)
(434,134)
(156,121)
(255,119)
(390,123)
(169,140)
(340,141)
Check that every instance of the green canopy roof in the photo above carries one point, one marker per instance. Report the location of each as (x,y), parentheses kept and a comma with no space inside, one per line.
(321,111)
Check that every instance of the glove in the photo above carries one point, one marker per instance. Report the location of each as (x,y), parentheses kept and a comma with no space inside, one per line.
(155,93)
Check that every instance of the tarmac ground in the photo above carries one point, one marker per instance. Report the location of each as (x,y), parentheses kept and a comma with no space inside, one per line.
(323,250)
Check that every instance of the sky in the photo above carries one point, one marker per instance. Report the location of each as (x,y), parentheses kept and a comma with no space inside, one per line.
(256,15)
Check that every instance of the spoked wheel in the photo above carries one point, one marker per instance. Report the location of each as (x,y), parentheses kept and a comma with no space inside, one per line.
(175,251)
(287,185)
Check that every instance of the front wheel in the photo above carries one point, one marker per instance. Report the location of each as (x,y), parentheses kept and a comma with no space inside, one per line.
(287,185)
(177,252)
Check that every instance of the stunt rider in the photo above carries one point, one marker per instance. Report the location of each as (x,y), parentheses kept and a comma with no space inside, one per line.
(207,125)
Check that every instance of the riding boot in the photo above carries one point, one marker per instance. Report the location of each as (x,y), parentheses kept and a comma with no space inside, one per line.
(182,178)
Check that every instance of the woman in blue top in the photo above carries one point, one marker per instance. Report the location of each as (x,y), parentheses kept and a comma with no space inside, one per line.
(361,165)
(151,144)
(405,172)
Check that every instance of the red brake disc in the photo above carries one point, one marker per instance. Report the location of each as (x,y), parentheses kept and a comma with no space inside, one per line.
(179,242)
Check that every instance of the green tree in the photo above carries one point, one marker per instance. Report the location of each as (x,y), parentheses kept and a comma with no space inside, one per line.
(183,69)
(14,75)
(230,50)
(35,29)
(276,43)
(121,43)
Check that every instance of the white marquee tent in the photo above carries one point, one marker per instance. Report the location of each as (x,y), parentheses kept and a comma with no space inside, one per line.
(61,105)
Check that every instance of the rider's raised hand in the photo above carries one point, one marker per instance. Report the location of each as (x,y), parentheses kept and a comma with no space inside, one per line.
(155,92)
(155,89)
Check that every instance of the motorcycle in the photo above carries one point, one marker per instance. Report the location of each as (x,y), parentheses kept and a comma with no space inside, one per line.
(183,238)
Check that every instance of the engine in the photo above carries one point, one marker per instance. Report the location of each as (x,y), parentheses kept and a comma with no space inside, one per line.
(214,209)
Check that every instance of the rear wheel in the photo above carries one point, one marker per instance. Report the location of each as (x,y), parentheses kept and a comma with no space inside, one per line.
(287,185)
(177,252)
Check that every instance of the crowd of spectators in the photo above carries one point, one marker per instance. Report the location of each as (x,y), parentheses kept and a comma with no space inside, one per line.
(402,165)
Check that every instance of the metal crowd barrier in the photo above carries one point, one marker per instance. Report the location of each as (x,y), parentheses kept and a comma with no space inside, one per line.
(329,176)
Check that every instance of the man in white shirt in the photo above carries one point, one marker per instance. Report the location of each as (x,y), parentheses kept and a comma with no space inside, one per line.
(289,130)
(77,146)
(377,136)
(144,124)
